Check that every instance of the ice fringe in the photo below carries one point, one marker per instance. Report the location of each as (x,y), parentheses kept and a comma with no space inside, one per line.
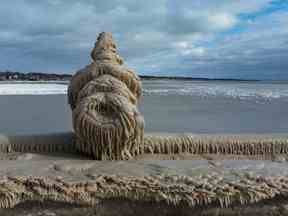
(172,190)
(156,144)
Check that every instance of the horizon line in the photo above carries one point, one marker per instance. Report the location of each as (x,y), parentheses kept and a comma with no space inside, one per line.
(152,76)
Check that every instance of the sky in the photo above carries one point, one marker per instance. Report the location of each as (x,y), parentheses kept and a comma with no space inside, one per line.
(245,39)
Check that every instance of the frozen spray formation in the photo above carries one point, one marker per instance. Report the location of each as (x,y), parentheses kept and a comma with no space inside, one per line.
(103,99)
(108,126)
(182,191)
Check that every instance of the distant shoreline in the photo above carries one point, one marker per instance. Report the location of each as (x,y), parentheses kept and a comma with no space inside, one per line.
(147,77)
(35,76)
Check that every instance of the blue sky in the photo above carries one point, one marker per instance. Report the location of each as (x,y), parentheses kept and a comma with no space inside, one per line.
(198,38)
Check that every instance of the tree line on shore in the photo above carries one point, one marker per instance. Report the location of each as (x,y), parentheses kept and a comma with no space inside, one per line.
(40,76)
(32,76)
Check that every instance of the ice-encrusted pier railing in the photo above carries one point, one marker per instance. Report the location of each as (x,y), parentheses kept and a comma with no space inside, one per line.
(108,126)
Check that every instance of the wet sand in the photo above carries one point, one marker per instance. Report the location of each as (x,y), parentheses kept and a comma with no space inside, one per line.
(175,114)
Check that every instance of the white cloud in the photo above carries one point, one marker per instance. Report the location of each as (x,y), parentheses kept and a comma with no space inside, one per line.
(222,21)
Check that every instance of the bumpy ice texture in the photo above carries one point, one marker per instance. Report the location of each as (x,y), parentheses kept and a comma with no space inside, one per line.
(103,99)
(173,190)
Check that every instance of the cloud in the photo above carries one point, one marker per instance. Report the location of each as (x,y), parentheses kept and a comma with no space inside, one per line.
(167,37)
(259,52)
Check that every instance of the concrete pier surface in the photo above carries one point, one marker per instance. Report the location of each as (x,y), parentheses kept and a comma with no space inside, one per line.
(62,182)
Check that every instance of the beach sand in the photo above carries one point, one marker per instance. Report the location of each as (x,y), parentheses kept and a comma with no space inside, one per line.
(30,114)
